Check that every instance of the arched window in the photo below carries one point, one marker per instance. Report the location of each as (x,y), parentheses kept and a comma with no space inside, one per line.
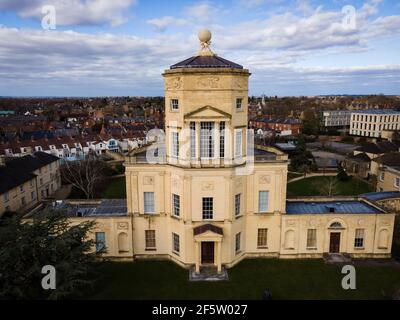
(289,239)
(336,225)
(123,245)
(383,239)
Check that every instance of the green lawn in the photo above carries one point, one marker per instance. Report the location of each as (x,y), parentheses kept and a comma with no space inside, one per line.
(287,279)
(114,188)
(311,187)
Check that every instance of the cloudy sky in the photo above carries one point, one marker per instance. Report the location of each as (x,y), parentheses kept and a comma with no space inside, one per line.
(121,47)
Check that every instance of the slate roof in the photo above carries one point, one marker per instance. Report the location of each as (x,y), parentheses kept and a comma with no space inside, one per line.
(389,159)
(379,147)
(206,62)
(375,196)
(11,178)
(330,207)
(110,207)
(32,162)
(360,157)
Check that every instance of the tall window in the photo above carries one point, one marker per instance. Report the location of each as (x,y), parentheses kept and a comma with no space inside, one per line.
(100,241)
(359,239)
(237,204)
(397,182)
(222,140)
(311,238)
(263,201)
(175,144)
(193,140)
(149,202)
(175,243)
(238,144)
(208,210)
(176,203)
(262,237)
(150,237)
(174,104)
(382,176)
(206,139)
(237,242)
(239,103)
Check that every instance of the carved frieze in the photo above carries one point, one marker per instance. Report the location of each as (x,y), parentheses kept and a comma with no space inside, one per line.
(264,179)
(173,83)
(208,82)
(148,180)
(122,226)
(207,185)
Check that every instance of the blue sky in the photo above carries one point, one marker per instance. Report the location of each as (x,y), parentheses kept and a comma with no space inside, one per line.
(121,47)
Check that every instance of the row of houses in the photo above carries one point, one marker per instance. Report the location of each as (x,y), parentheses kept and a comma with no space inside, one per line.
(26,181)
(380,160)
(284,126)
(71,148)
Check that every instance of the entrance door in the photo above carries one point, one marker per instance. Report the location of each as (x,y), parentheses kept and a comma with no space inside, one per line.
(334,246)
(207,252)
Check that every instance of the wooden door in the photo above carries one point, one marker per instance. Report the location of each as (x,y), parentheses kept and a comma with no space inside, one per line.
(207,252)
(334,246)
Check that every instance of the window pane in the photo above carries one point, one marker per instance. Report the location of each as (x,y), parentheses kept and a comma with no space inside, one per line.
(149,202)
(311,238)
(262,237)
(175,104)
(100,241)
(175,242)
(208,204)
(359,238)
(176,205)
(175,144)
(150,236)
(263,201)
(206,139)
(222,140)
(238,146)
(237,204)
(237,242)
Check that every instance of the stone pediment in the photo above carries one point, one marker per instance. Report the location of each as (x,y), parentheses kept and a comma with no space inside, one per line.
(207,112)
(208,229)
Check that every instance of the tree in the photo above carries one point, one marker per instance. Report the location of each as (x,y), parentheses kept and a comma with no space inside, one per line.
(342,174)
(47,238)
(302,158)
(328,186)
(85,175)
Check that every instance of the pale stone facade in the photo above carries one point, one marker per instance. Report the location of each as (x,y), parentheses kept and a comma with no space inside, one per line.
(371,123)
(199,206)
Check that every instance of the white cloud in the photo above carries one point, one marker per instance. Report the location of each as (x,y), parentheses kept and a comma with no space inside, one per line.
(161,24)
(70,12)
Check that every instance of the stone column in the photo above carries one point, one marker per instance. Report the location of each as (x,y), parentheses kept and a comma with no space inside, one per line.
(197,255)
(216,142)
(219,258)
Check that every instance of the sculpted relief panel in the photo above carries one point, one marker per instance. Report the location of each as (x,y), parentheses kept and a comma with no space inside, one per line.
(208,82)
(173,83)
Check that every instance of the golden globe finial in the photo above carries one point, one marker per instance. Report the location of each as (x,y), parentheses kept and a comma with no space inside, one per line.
(205,42)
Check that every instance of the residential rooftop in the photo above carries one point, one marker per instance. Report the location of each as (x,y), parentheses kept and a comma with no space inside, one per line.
(377,111)
(93,208)
(376,196)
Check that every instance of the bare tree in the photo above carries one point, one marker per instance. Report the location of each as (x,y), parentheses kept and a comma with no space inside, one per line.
(85,175)
(328,186)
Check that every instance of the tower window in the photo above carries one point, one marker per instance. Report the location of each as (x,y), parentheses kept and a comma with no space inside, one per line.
(311,238)
(262,238)
(206,139)
(237,242)
(237,204)
(239,103)
(263,201)
(193,140)
(238,144)
(148,202)
(208,208)
(174,104)
(150,239)
(175,243)
(222,140)
(175,144)
(176,202)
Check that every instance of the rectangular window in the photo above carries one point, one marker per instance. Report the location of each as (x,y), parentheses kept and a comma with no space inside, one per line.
(239,103)
(237,242)
(176,203)
(397,182)
(262,237)
(175,144)
(100,241)
(207,139)
(263,201)
(359,239)
(149,202)
(238,144)
(150,237)
(237,204)
(311,238)
(208,211)
(174,104)
(382,176)
(175,243)
(193,140)
(222,140)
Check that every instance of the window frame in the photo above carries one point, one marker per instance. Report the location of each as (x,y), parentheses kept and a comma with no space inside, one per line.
(238,148)
(238,210)
(311,238)
(153,202)
(175,144)
(150,237)
(359,238)
(172,105)
(238,244)
(176,205)
(102,241)
(207,208)
(239,101)
(176,245)
(262,234)
(260,203)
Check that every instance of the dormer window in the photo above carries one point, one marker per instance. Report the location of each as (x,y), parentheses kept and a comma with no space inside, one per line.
(239,102)
(175,104)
